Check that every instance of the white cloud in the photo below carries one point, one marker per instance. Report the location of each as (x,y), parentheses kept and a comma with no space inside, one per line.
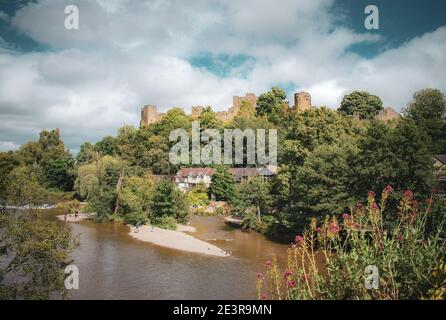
(130,53)
(8,146)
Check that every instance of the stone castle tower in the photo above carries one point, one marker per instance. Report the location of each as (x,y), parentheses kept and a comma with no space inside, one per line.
(149,114)
(302,101)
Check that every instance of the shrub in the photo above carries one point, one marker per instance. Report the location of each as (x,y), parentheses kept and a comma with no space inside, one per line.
(136,218)
(165,222)
(328,261)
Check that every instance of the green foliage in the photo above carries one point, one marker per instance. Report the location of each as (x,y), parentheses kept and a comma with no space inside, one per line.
(36,254)
(198,196)
(323,182)
(209,120)
(136,218)
(31,251)
(23,187)
(428,109)
(107,146)
(169,201)
(86,153)
(253,195)
(165,222)
(362,104)
(329,260)
(397,156)
(222,185)
(135,196)
(270,104)
(142,148)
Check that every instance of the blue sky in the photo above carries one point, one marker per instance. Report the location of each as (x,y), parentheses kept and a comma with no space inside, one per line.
(91,81)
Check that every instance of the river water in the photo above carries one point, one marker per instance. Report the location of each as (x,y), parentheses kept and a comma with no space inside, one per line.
(113,265)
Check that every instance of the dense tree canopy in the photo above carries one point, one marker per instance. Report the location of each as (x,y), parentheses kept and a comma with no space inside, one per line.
(362,104)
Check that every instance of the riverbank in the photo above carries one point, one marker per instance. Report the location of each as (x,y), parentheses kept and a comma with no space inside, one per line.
(71,218)
(176,240)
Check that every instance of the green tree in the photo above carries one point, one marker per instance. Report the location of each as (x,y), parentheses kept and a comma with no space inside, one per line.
(86,153)
(168,201)
(428,109)
(270,104)
(324,179)
(142,148)
(23,186)
(8,161)
(209,120)
(107,146)
(222,185)
(35,253)
(397,156)
(361,103)
(32,252)
(135,198)
(254,193)
(198,196)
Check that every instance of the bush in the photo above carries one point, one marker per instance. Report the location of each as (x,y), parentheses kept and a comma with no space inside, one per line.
(165,222)
(329,260)
(136,218)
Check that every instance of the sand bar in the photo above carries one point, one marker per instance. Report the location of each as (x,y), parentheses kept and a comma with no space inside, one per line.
(176,240)
(72,219)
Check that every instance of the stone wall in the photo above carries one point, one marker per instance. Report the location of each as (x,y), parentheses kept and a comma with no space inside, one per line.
(302,101)
(149,113)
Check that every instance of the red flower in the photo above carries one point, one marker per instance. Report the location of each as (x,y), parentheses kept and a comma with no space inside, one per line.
(345,216)
(371,194)
(375,206)
(355,226)
(334,228)
(288,273)
(408,194)
(318,230)
(268,264)
(414,203)
(259,275)
(399,238)
(291,283)
(263,297)
(298,239)
(388,189)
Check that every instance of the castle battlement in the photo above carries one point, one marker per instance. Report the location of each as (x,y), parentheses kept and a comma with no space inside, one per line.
(149,113)
(302,102)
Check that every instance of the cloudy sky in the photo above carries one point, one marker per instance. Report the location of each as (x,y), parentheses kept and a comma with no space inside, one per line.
(127,53)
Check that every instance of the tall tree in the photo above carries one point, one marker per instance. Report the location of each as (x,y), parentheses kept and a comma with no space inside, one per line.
(428,109)
(222,185)
(169,201)
(361,103)
(270,104)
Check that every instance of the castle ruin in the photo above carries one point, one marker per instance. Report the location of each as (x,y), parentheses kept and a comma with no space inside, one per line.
(149,113)
(302,102)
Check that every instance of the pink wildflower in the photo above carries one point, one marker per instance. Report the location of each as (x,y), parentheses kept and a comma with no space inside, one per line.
(291,283)
(298,239)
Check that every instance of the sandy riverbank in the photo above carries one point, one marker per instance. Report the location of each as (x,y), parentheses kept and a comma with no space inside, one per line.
(176,240)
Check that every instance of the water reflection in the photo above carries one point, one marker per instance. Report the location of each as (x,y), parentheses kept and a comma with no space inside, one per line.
(113,265)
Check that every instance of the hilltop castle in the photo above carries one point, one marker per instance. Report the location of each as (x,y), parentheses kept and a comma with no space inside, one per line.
(302,102)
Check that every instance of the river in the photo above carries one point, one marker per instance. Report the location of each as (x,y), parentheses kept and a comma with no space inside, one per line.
(113,265)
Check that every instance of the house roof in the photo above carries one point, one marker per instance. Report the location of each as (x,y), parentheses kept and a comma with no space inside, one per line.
(238,173)
(441,158)
(185,172)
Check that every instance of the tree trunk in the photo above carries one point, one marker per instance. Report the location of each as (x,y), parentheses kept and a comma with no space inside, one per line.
(118,188)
